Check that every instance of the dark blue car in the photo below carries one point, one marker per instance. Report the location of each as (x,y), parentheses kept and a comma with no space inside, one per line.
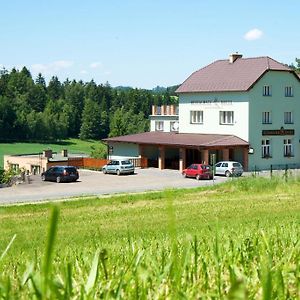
(61,174)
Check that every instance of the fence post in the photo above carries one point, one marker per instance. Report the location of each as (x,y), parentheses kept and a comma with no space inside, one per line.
(271,171)
(286,172)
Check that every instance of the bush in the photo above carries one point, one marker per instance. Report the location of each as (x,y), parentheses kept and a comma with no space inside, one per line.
(5,176)
(99,152)
(2,172)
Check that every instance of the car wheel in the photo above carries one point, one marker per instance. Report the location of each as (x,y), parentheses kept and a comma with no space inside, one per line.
(198,177)
(184,175)
(118,172)
(43,178)
(58,179)
(227,174)
(104,171)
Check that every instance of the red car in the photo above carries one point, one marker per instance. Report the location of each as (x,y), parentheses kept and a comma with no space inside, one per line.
(199,171)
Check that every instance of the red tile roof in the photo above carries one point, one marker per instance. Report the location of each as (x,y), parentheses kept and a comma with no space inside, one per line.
(222,75)
(180,139)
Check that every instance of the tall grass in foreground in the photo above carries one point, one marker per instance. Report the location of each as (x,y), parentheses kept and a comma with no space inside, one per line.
(228,262)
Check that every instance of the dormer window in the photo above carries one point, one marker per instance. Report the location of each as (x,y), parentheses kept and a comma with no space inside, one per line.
(267,91)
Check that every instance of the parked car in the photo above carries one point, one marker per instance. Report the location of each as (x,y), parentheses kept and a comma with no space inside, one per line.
(199,171)
(229,168)
(60,174)
(119,166)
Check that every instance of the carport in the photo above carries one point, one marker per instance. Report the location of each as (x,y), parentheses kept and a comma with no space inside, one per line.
(178,150)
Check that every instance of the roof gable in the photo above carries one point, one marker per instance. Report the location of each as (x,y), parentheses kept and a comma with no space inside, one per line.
(222,75)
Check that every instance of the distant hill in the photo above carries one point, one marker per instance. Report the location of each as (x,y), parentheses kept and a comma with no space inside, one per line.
(156,90)
(170,89)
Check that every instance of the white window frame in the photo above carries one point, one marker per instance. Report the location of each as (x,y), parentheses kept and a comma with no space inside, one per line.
(196,117)
(265,148)
(266,117)
(288,117)
(267,90)
(288,91)
(159,125)
(227,117)
(288,148)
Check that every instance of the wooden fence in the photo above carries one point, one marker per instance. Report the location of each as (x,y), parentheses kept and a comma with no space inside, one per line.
(95,163)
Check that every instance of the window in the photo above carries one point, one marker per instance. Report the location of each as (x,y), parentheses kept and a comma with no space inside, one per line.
(266,117)
(265,148)
(288,117)
(14,167)
(287,147)
(288,91)
(226,117)
(267,90)
(196,117)
(174,126)
(159,126)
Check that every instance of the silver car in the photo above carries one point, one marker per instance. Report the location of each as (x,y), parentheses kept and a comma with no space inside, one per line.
(119,166)
(229,168)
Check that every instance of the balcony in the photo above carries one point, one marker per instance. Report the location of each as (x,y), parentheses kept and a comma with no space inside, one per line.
(165,110)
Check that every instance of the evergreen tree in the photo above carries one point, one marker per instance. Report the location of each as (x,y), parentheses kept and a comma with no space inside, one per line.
(55,89)
(91,121)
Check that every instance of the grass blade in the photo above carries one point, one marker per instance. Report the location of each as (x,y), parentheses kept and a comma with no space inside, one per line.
(50,247)
(8,246)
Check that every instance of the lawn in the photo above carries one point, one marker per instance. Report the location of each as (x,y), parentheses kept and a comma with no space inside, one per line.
(234,241)
(73,146)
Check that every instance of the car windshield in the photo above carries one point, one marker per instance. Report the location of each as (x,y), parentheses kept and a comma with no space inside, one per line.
(71,169)
(126,162)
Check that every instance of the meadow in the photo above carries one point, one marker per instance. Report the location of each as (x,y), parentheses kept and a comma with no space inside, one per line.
(73,146)
(238,240)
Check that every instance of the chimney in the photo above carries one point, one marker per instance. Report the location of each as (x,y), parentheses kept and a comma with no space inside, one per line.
(64,153)
(47,153)
(233,57)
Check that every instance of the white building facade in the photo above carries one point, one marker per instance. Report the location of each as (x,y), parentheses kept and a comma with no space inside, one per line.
(262,111)
(242,109)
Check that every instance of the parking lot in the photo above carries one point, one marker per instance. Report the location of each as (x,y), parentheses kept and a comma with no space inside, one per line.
(96,183)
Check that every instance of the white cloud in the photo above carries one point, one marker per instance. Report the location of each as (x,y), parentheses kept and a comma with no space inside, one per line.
(83,72)
(253,34)
(52,67)
(96,65)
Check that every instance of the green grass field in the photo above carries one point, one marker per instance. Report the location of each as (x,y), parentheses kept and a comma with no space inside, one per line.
(238,240)
(73,146)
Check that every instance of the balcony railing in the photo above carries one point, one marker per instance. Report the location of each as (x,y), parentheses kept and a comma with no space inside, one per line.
(165,110)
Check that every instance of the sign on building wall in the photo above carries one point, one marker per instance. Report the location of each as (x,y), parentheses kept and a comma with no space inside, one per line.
(278,132)
(212,103)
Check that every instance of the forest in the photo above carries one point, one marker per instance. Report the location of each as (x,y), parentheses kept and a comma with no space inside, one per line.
(31,110)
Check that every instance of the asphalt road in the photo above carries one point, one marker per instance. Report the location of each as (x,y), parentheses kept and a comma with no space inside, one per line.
(96,183)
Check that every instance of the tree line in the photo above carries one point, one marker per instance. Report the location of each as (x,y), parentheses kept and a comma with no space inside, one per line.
(32,110)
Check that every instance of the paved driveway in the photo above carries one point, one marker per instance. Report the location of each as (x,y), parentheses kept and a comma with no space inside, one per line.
(96,183)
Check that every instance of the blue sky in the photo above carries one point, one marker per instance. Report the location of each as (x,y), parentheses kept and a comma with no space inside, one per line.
(142,43)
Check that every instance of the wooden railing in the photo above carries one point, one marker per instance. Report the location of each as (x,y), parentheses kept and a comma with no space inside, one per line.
(95,163)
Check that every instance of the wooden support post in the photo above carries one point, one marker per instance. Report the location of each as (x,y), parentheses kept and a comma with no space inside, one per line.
(161,158)
(205,156)
(225,154)
(182,159)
